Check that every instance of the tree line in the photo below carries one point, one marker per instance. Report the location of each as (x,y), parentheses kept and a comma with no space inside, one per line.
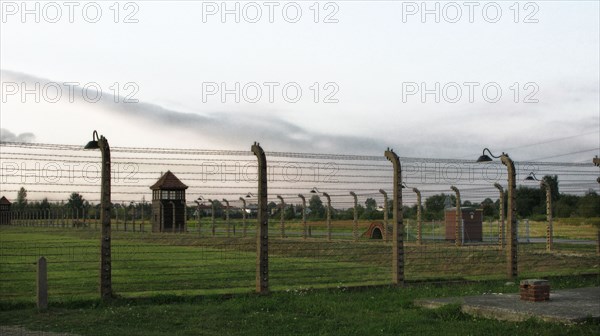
(531,203)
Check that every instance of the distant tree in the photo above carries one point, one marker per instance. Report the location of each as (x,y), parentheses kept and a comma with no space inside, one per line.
(289,212)
(21,199)
(434,205)
(589,205)
(529,201)
(489,208)
(317,210)
(75,201)
(370,204)
(566,206)
(370,210)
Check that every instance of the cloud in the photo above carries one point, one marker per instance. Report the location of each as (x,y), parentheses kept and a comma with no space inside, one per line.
(234,128)
(8,136)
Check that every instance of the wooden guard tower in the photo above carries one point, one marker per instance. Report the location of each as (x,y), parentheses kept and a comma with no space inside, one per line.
(168,204)
(4,211)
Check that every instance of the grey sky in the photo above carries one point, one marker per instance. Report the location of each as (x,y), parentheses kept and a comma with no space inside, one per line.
(369,56)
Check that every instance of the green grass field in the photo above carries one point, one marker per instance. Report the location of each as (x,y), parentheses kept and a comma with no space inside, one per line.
(148,264)
(339,311)
(172,283)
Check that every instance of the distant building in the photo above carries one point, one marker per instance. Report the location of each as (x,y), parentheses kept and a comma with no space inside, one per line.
(4,211)
(168,204)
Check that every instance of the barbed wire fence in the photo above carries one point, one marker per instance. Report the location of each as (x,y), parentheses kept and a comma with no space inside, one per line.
(310,245)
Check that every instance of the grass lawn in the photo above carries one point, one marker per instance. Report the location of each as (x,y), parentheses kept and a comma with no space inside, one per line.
(372,311)
(150,264)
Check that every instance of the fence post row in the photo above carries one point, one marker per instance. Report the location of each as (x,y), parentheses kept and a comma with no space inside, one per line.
(398,230)
(262,231)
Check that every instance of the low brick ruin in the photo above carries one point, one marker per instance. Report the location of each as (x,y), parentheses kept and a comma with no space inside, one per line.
(535,290)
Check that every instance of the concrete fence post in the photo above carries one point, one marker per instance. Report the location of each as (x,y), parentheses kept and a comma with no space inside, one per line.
(262,230)
(42,284)
(501,222)
(386,230)
(419,223)
(303,215)
(328,215)
(549,233)
(355,219)
(282,216)
(398,229)
(244,217)
(227,220)
(458,239)
(212,217)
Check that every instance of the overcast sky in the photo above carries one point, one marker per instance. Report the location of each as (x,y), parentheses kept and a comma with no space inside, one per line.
(361,70)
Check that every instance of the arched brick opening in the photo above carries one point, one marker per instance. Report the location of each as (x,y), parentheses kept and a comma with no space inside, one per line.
(375,231)
(376,234)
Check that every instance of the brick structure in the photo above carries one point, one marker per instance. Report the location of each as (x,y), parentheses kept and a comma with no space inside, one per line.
(535,290)
(168,204)
(472,219)
(376,231)
(4,211)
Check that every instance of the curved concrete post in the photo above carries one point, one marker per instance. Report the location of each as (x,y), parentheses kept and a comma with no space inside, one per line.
(511,220)
(419,223)
(227,221)
(501,222)
(262,230)
(386,231)
(303,215)
(549,233)
(458,232)
(282,216)
(212,217)
(328,215)
(244,217)
(197,216)
(355,220)
(398,229)
(106,205)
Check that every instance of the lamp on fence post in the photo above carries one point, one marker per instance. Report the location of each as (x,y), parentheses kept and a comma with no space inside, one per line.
(549,230)
(303,215)
(501,223)
(282,216)
(197,201)
(511,221)
(386,230)
(419,224)
(458,230)
(355,215)
(105,203)
(316,191)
